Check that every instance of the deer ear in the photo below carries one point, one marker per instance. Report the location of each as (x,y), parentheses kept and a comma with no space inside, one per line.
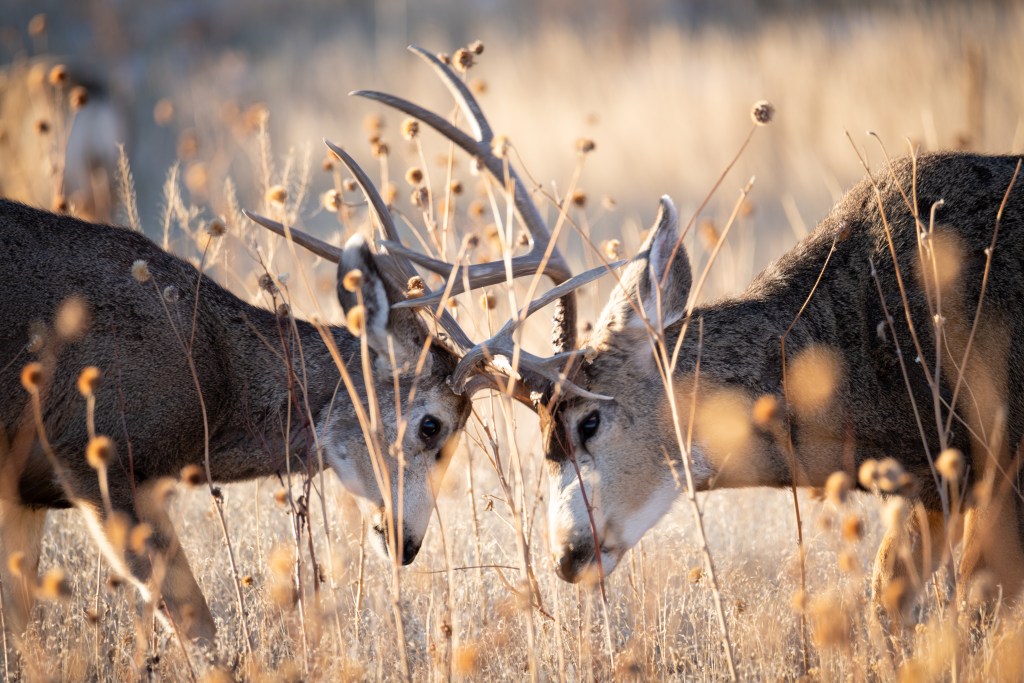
(657,280)
(668,268)
(376,294)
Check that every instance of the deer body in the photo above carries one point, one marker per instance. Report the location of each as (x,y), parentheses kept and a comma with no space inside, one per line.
(845,398)
(140,334)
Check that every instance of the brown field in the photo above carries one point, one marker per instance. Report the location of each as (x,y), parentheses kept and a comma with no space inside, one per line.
(669,108)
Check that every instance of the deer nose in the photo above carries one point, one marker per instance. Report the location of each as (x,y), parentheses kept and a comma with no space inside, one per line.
(410,548)
(569,564)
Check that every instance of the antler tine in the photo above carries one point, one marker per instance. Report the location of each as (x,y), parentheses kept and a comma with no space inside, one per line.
(502,343)
(313,244)
(470,107)
(403,270)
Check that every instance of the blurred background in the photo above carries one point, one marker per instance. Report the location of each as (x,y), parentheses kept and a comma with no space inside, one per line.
(664,88)
(222,105)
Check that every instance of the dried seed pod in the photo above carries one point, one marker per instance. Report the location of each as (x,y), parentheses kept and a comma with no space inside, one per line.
(762,113)
(89,380)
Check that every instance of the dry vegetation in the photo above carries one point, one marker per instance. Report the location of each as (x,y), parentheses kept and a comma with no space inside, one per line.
(668,113)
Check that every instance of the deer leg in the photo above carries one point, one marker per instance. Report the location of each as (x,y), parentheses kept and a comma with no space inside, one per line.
(167,563)
(159,558)
(21,535)
(993,558)
(906,559)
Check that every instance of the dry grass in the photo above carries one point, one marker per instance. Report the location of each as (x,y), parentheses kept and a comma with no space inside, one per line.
(667,114)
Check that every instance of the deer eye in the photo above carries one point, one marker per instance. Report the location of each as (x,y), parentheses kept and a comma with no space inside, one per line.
(430,427)
(588,426)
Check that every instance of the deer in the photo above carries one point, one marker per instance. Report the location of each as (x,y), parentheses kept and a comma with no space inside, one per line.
(892,333)
(239,392)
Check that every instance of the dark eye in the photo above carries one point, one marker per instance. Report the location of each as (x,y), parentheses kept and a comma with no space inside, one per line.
(589,425)
(430,427)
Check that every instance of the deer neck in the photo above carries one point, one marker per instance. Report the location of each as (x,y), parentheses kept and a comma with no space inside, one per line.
(283,382)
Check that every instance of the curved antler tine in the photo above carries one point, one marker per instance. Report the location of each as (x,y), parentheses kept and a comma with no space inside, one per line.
(313,244)
(380,208)
(567,287)
(548,369)
(470,107)
(441,125)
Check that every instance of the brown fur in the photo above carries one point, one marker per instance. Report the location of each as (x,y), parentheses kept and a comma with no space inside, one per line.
(148,404)
(842,333)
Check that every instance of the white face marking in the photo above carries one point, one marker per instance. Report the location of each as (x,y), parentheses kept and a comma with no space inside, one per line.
(636,524)
(567,512)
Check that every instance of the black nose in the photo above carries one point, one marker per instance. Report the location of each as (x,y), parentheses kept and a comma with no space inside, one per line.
(409,550)
(410,547)
(568,566)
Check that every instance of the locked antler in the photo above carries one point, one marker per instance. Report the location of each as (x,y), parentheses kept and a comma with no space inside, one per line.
(488,363)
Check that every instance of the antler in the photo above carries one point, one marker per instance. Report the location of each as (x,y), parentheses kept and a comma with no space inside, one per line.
(489,363)
(397,267)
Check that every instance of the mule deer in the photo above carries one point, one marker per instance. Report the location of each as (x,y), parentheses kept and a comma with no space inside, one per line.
(220,390)
(910,344)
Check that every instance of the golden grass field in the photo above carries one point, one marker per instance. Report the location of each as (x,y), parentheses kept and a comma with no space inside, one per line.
(668,111)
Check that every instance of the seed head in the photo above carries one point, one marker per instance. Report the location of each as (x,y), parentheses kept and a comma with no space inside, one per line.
(281,497)
(410,129)
(349,185)
(331,201)
(37,25)
(853,528)
(54,585)
(353,280)
(420,198)
(471,241)
(193,475)
(837,488)
(695,575)
(139,537)
(79,97)
(765,411)
(762,113)
(171,294)
(58,76)
(327,164)
(415,287)
(277,194)
(585,145)
(248,580)
(379,149)
(612,249)
(32,377)
(266,283)
(892,478)
(868,473)
(216,228)
(99,451)
(487,301)
(356,320)
(89,380)
(140,271)
(500,146)
(455,187)
(414,176)
(476,47)
(444,58)
(283,310)
(476,209)
(579,198)
(373,124)
(163,112)
(950,464)
(462,60)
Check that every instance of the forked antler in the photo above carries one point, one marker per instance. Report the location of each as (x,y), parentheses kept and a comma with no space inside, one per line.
(480,365)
